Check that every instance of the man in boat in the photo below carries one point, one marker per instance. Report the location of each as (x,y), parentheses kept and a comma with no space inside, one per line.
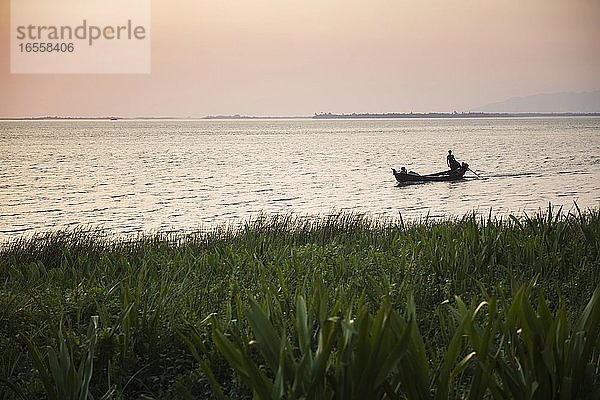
(451,161)
(403,171)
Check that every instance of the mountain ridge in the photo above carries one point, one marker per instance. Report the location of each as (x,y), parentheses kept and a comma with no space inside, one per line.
(559,102)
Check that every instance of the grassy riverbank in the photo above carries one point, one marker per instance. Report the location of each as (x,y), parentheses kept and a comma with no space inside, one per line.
(175,311)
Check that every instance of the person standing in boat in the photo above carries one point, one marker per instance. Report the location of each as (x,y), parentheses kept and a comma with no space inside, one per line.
(451,161)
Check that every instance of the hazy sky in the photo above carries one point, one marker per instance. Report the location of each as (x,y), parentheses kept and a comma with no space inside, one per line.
(298,57)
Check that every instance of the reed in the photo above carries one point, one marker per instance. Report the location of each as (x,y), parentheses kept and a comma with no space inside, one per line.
(167,304)
(500,349)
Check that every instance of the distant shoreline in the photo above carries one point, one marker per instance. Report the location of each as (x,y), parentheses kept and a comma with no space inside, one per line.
(449,115)
(323,116)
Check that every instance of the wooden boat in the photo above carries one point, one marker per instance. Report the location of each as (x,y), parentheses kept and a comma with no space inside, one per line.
(444,176)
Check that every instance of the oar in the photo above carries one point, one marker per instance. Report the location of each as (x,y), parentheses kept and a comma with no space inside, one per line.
(476,174)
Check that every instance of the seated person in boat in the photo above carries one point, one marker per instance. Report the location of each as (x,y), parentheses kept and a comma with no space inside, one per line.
(403,171)
(451,161)
(460,170)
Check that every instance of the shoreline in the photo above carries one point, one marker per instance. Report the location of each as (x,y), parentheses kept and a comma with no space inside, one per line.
(317,116)
(235,225)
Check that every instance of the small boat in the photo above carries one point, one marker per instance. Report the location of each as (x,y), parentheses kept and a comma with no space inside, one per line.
(444,176)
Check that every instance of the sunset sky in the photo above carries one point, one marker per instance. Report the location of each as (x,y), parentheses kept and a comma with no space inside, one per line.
(292,57)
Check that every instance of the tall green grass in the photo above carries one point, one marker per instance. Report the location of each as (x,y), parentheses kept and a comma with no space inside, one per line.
(500,348)
(156,295)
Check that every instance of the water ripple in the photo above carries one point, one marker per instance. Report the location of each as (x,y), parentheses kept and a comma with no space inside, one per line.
(149,175)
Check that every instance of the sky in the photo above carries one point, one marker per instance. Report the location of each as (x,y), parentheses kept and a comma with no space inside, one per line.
(300,57)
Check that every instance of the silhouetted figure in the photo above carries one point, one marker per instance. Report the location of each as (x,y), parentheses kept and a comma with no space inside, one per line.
(451,161)
(403,170)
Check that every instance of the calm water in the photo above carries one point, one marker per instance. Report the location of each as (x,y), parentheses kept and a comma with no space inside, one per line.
(132,176)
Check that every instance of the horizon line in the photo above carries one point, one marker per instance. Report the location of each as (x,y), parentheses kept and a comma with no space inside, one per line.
(321,115)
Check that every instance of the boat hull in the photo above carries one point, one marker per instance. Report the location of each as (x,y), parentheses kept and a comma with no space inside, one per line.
(445,176)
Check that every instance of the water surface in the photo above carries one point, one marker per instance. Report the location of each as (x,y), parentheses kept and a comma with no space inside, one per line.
(133,176)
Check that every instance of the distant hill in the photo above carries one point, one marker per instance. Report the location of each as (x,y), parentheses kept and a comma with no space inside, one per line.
(566,102)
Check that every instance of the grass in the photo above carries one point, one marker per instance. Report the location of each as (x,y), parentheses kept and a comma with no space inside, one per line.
(290,306)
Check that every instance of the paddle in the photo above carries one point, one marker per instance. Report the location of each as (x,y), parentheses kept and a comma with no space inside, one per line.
(476,174)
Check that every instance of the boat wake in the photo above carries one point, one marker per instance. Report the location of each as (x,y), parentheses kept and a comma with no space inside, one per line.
(512,175)
(531,174)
